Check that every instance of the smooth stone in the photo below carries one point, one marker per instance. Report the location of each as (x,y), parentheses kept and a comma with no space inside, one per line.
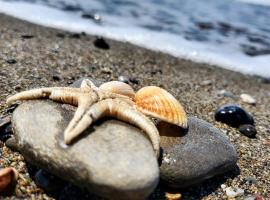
(112,159)
(234,192)
(246,98)
(233,115)
(194,155)
(101,43)
(11,61)
(248,130)
(226,93)
(251,180)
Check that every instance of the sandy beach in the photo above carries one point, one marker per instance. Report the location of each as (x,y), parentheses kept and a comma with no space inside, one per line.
(52,57)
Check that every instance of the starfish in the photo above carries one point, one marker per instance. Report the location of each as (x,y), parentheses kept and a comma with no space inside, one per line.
(115,99)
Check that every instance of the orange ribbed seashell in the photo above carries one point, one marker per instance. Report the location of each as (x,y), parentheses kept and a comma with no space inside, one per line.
(118,87)
(157,102)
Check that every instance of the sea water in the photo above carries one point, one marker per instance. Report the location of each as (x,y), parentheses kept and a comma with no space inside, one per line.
(233,34)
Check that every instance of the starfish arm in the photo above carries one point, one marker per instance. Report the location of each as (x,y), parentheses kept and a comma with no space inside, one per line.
(60,94)
(87,84)
(30,94)
(83,105)
(120,110)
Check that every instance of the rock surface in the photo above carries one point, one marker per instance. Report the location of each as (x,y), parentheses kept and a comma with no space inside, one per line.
(112,159)
(195,155)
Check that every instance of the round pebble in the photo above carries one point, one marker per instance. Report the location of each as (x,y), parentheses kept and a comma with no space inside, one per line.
(248,99)
(101,43)
(233,115)
(248,130)
(234,192)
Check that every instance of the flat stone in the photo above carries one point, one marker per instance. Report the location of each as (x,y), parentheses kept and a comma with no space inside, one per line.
(194,155)
(112,159)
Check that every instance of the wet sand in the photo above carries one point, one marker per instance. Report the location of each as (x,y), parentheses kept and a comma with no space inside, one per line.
(56,58)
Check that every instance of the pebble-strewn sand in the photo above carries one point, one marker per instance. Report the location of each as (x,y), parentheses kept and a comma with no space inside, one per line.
(45,58)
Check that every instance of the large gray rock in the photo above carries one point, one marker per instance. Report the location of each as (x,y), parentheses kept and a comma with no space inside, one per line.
(195,155)
(112,159)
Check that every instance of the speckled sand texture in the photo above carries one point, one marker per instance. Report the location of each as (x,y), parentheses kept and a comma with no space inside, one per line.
(48,59)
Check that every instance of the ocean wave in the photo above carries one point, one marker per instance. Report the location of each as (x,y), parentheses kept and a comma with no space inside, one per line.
(202,37)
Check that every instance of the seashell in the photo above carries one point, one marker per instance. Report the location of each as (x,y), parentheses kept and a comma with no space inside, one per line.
(157,102)
(173,196)
(248,99)
(118,87)
(8,177)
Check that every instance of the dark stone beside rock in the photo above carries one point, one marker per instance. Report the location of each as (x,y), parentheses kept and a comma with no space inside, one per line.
(11,61)
(194,155)
(233,115)
(101,43)
(248,130)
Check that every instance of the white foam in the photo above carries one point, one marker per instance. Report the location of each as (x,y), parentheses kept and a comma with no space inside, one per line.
(222,55)
(257,2)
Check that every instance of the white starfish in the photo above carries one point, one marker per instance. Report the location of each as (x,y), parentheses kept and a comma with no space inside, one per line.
(94,103)
(115,99)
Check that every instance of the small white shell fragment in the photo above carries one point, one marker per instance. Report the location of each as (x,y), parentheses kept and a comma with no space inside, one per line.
(226,93)
(234,192)
(248,99)
(223,186)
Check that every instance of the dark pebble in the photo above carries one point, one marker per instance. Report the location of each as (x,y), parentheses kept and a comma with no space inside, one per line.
(56,77)
(233,115)
(101,43)
(248,130)
(11,61)
(251,180)
(60,35)
(48,182)
(27,36)
(134,80)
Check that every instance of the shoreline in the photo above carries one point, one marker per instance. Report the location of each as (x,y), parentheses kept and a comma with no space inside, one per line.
(52,57)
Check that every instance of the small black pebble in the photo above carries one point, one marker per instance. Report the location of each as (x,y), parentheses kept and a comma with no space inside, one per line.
(27,36)
(233,115)
(56,77)
(60,35)
(101,43)
(248,130)
(134,80)
(11,61)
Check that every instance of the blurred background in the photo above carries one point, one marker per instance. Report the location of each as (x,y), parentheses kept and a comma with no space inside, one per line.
(233,34)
